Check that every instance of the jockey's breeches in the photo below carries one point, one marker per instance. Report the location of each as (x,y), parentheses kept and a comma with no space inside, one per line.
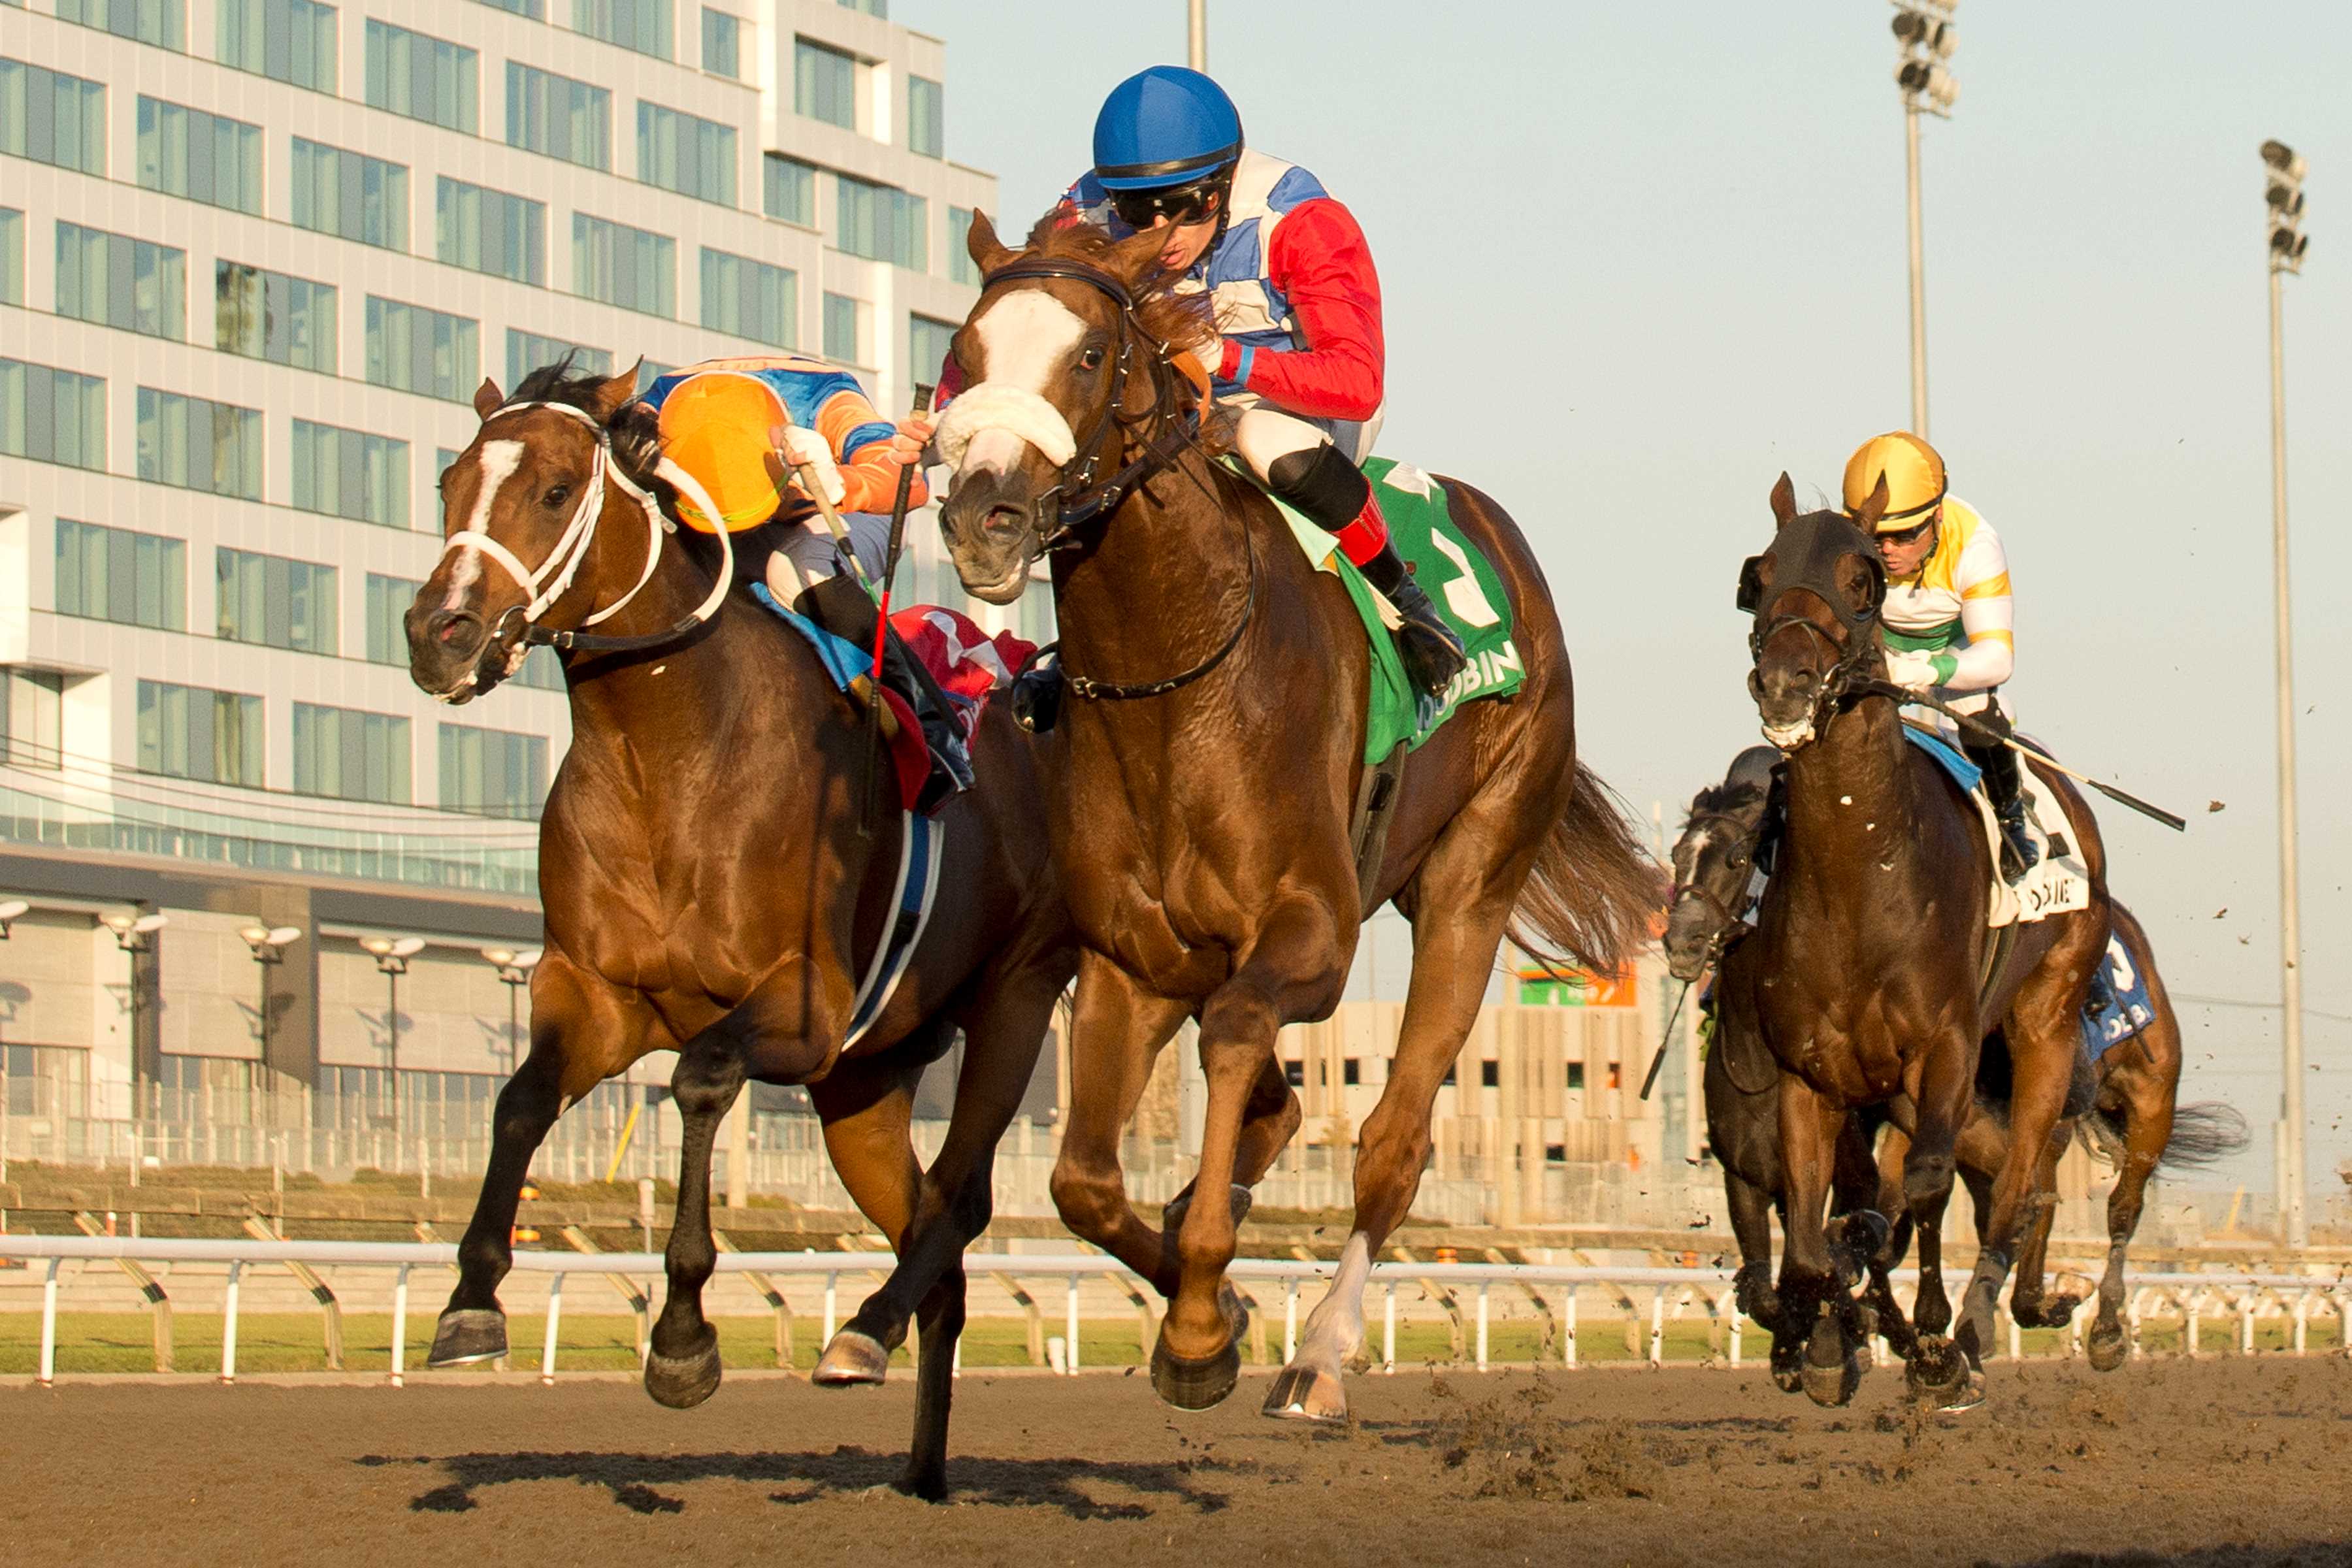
(1297,460)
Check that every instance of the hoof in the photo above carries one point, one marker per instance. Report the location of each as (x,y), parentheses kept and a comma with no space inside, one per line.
(1306,1394)
(1969,1394)
(2108,1348)
(469,1334)
(1936,1374)
(852,1359)
(684,1381)
(1752,1293)
(1788,1365)
(1202,1384)
(1833,1369)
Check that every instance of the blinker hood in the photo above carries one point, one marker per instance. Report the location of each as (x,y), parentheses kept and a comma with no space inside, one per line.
(1805,554)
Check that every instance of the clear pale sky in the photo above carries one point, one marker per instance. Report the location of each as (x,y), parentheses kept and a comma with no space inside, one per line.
(1639,259)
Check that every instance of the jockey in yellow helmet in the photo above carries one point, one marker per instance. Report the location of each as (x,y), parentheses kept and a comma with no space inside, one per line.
(1948,619)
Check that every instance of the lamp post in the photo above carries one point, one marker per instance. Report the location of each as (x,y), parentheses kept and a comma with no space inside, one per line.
(392,955)
(2283,170)
(514,972)
(1924,40)
(268,944)
(1196,34)
(10,912)
(133,934)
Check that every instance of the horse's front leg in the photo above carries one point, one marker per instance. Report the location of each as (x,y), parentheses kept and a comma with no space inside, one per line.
(682,1367)
(1294,969)
(582,1031)
(1815,1306)
(1942,1085)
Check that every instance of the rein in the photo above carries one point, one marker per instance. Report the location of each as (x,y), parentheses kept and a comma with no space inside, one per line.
(553,577)
(1081,509)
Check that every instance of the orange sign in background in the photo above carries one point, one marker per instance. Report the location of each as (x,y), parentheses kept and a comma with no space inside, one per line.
(1580,988)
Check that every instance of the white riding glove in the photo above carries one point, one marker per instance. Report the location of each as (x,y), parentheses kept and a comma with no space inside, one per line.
(805,449)
(1914,672)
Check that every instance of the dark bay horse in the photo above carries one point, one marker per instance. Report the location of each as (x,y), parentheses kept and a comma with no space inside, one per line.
(1202,812)
(2134,1120)
(1877,975)
(708,889)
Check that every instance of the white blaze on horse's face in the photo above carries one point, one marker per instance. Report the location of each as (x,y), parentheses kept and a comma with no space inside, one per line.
(1025,338)
(496,465)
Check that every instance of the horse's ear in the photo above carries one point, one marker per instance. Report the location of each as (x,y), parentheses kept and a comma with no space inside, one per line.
(1784,500)
(1136,260)
(613,394)
(487,398)
(1872,507)
(988,252)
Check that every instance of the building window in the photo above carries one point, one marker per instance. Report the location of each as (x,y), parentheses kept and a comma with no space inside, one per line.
(163,23)
(114,574)
(624,266)
(528,351)
(1575,1075)
(1490,1074)
(1351,1071)
(350,473)
(207,158)
(841,337)
(199,444)
(424,351)
(927,116)
(870,7)
(686,153)
(640,25)
(118,282)
(1294,1073)
(190,732)
(748,299)
(32,721)
(351,195)
(961,267)
(825,84)
(351,755)
(387,602)
(788,189)
(421,77)
(52,118)
(285,40)
(542,671)
(722,43)
(277,603)
(52,415)
(560,117)
(534,10)
(269,315)
(12,256)
(494,771)
(928,343)
(490,231)
(880,223)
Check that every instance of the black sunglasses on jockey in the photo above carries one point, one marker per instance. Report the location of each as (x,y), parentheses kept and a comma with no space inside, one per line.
(1178,204)
(1908,536)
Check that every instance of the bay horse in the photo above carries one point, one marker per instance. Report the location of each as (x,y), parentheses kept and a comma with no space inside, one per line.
(2134,1120)
(708,889)
(1202,796)
(1877,975)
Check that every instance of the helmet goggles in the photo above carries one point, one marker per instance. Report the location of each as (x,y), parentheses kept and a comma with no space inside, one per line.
(1191,202)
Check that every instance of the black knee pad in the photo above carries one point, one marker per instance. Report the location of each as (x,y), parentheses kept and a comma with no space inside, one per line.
(1322,483)
(841,608)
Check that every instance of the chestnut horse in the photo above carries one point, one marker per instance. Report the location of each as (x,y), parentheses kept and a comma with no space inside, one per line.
(708,889)
(1202,798)
(2134,1120)
(1876,970)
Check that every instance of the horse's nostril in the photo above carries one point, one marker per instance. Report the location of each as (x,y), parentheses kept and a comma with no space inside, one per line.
(448,626)
(1002,519)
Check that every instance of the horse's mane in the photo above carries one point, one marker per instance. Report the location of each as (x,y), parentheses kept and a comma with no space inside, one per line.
(1728,799)
(636,429)
(1182,321)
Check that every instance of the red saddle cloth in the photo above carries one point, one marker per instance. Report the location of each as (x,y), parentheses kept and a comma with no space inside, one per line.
(968,663)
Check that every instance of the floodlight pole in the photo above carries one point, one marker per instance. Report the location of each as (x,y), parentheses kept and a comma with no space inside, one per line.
(1919,272)
(2294,1222)
(1196,40)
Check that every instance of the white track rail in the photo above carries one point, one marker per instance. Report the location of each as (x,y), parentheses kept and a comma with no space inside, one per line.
(1673,1293)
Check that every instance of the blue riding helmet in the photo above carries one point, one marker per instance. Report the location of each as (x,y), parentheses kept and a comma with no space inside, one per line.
(1165,126)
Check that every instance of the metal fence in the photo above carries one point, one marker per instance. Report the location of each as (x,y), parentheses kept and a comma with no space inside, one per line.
(1669,1294)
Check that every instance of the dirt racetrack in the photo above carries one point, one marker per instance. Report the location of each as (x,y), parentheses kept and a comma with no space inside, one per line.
(2211,1463)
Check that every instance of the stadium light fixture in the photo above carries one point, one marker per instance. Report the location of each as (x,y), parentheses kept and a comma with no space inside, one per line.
(132,930)
(2283,195)
(11,911)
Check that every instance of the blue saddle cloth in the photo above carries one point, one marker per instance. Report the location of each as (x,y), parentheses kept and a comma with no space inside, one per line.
(2119,1005)
(842,660)
(1948,757)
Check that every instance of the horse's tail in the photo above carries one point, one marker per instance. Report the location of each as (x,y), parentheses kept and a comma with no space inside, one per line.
(1593,897)
(2202,1134)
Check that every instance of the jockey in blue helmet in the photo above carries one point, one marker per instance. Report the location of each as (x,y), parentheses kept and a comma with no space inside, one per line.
(1297,308)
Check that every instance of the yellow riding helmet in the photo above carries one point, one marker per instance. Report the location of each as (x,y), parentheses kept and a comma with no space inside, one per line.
(721,427)
(1913,474)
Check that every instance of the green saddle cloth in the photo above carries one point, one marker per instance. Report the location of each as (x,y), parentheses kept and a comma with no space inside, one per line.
(1459,580)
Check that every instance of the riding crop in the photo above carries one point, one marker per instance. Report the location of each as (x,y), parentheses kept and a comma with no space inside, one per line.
(926,400)
(1650,1079)
(1969,722)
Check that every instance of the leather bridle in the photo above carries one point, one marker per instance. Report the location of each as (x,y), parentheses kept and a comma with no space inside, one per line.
(1073,512)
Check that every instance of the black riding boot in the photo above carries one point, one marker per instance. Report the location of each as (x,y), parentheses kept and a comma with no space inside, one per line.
(2003,788)
(842,608)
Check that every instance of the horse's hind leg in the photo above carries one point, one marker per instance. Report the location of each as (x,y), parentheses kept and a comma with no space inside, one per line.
(581,1032)
(682,1367)
(2148,1128)
(2027,1303)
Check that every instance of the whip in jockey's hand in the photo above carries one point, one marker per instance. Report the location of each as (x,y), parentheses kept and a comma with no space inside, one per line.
(1300,352)
(1948,618)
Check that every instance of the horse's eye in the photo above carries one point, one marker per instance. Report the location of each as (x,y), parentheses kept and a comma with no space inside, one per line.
(1737,861)
(558,494)
(1091,360)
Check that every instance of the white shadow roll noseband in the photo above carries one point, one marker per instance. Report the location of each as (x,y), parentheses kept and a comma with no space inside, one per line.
(997,405)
